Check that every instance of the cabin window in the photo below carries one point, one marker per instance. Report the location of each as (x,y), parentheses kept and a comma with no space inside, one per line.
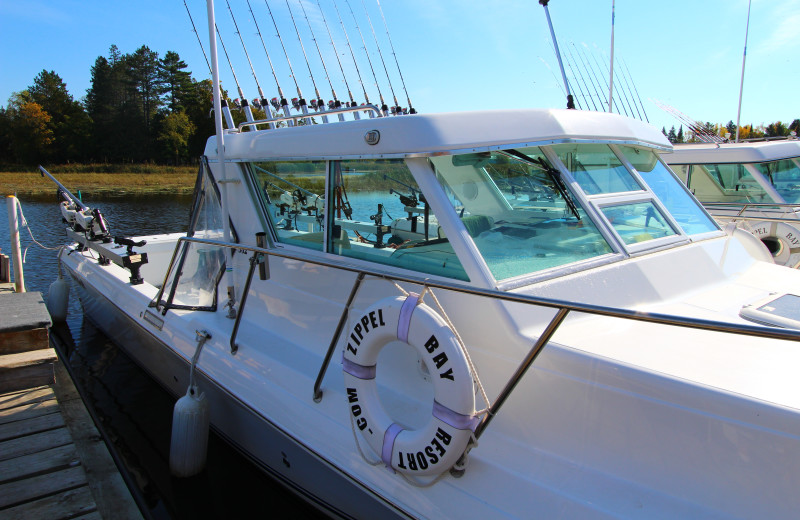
(725,183)
(294,193)
(596,168)
(785,176)
(518,211)
(378,213)
(637,221)
(670,191)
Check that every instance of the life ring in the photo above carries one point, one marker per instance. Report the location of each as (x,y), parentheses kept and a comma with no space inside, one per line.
(782,240)
(438,445)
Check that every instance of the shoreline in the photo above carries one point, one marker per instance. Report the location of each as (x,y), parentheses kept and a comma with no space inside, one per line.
(177,181)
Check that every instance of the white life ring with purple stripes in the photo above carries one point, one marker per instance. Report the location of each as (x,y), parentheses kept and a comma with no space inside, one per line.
(438,445)
(782,240)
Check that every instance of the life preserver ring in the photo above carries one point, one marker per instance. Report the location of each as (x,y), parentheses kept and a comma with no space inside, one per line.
(782,240)
(438,445)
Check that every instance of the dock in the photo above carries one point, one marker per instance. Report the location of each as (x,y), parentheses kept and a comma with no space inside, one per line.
(54,463)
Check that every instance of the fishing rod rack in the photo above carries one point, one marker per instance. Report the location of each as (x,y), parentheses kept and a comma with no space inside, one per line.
(128,260)
(297,117)
(260,258)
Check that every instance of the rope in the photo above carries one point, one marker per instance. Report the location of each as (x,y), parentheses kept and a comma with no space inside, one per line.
(25,225)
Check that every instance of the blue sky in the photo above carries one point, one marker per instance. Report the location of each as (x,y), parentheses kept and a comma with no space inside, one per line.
(453,54)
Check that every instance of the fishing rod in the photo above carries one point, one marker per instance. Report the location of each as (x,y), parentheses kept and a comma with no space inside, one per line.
(559,85)
(396,108)
(344,76)
(262,100)
(611,62)
(384,106)
(411,109)
(301,102)
(569,57)
(318,103)
(625,98)
(198,36)
(636,90)
(570,100)
(625,80)
(244,104)
(595,73)
(353,55)
(335,103)
(693,125)
(283,103)
(609,83)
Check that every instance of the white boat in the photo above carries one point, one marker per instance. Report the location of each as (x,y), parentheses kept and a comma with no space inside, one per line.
(755,184)
(589,342)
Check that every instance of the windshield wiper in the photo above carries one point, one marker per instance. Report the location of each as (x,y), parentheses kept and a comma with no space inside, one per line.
(554,175)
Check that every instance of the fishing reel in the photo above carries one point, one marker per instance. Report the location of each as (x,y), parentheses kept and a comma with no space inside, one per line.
(275,103)
(89,221)
(314,104)
(296,103)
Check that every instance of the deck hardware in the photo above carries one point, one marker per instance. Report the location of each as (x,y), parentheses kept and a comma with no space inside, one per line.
(256,259)
(335,338)
(372,137)
(526,363)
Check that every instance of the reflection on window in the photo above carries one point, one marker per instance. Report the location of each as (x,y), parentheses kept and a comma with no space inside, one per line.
(637,222)
(683,208)
(785,176)
(517,211)
(596,169)
(294,192)
(725,183)
(379,214)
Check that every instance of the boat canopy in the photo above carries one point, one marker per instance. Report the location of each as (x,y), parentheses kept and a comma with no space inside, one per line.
(727,153)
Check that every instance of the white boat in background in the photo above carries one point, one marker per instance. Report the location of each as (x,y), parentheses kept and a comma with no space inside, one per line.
(755,184)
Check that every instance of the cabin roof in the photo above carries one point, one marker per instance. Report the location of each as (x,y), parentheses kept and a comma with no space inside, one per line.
(721,153)
(429,134)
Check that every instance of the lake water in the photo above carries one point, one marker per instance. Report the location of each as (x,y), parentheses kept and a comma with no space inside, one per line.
(133,412)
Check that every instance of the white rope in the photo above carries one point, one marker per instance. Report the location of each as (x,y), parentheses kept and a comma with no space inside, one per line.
(463,348)
(30,232)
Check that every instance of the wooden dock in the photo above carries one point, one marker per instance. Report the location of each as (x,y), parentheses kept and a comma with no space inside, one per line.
(53,462)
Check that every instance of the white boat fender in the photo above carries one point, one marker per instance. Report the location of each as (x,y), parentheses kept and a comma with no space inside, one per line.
(782,240)
(58,295)
(190,419)
(436,447)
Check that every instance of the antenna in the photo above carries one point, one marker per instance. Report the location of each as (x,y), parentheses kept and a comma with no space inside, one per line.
(396,107)
(198,36)
(570,101)
(245,106)
(744,57)
(596,93)
(344,76)
(300,102)
(262,101)
(352,54)
(611,62)
(411,109)
(283,102)
(318,102)
(335,103)
(384,108)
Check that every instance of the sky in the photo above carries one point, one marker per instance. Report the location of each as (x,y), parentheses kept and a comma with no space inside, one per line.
(453,55)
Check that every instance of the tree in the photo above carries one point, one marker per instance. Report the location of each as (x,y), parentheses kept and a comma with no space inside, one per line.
(29,129)
(176,82)
(68,122)
(776,129)
(176,129)
(679,137)
(671,135)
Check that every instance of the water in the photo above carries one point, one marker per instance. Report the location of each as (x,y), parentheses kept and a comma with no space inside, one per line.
(133,412)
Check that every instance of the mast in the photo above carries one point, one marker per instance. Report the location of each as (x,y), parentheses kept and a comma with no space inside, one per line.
(226,230)
(741,86)
(570,101)
(611,63)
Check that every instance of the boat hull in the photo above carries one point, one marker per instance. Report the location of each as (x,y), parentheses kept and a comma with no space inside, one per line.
(281,456)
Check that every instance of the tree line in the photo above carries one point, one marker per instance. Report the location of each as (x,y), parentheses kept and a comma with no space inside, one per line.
(139,108)
(728,131)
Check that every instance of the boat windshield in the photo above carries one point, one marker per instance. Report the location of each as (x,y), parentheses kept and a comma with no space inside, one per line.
(785,176)
(518,212)
(724,183)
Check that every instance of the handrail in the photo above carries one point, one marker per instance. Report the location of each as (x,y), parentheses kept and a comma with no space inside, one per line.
(563,309)
(741,207)
(294,118)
